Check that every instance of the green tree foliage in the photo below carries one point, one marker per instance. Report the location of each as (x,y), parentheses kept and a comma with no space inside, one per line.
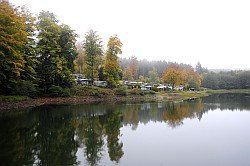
(101,75)
(111,65)
(55,132)
(55,52)
(199,69)
(112,129)
(90,133)
(67,44)
(93,54)
(13,37)
(79,61)
(153,76)
(227,80)
(30,60)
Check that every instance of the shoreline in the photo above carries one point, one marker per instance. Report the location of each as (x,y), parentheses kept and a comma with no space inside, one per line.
(158,97)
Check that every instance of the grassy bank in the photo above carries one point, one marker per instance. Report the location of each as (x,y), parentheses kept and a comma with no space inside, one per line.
(13,98)
(221,91)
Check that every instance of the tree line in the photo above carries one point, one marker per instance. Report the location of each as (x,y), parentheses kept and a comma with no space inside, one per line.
(227,80)
(39,55)
(36,53)
(234,79)
(145,67)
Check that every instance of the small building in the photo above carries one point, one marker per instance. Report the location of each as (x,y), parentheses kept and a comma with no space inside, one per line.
(100,83)
(191,89)
(181,88)
(83,81)
(146,87)
(78,76)
(169,87)
(161,87)
(133,84)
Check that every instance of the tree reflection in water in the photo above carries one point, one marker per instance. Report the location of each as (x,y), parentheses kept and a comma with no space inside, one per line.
(112,130)
(53,135)
(90,134)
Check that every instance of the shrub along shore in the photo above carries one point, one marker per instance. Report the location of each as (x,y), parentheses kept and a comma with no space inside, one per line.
(90,94)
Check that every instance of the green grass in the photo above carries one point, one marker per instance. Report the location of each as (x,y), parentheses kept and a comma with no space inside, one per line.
(13,98)
(180,95)
(228,91)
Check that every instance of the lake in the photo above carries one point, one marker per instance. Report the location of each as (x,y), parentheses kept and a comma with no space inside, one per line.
(214,130)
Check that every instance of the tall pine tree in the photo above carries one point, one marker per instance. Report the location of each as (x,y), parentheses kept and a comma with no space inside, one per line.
(93,54)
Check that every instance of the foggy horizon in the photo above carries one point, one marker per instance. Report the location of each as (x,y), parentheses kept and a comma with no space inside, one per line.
(214,33)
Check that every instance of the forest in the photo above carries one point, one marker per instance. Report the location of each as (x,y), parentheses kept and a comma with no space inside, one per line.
(227,80)
(38,56)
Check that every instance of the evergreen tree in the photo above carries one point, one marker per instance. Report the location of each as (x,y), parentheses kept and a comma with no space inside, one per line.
(153,76)
(199,69)
(111,65)
(93,54)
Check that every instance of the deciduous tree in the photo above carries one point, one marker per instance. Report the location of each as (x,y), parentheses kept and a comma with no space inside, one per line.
(134,67)
(172,75)
(30,54)
(13,37)
(53,65)
(79,61)
(127,74)
(179,75)
(111,64)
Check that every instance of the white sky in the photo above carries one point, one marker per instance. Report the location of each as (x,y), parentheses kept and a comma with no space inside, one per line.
(214,32)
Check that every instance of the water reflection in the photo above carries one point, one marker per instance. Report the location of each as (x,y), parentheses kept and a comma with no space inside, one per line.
(53,135)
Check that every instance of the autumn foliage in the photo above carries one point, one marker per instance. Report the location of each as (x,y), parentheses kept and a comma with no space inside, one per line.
(176,75)
(111,64)
(13,37)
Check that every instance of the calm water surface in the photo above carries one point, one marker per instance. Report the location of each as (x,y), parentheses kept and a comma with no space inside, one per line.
(210,131)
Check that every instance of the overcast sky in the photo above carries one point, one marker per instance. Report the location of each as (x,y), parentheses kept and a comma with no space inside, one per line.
(214,32)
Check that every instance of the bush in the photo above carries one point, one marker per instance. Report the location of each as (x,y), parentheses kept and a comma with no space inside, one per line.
(149,92)
(90,91)
(27,88)
(121,90)
(57,91)
(154,89)
(136,91)
(13,98)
